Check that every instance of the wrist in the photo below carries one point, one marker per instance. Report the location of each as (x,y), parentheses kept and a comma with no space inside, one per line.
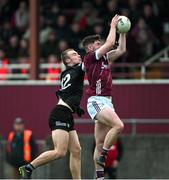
(113,25)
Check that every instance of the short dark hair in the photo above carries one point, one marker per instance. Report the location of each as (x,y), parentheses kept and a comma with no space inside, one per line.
(90,39)
(64,56)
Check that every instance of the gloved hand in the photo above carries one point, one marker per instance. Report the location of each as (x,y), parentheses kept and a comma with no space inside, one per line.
(80,111)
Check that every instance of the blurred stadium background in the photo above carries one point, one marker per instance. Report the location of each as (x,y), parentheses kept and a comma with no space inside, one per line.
(32,35)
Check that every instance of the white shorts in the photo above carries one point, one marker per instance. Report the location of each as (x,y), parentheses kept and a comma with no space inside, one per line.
(97,103)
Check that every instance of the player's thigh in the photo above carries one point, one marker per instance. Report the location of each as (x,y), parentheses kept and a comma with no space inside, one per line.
(60,139)
(100,133)
(108,117)
(74,143)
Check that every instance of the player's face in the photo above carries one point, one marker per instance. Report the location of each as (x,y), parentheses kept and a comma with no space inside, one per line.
(97,45)
(74,57)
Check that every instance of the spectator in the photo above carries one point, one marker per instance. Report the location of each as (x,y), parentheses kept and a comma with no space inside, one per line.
(8,8)
(154,22)
(62,45)
(114,156)
(125,12)
(98,28)
(87,15)
(21,16)
(54,72)
(21,147)
(7,31)
(133,54)
(53,13)
(44,35)
(3,65)
(23,72)
(110,10)
(134,8)
(61,26)
(12,51)
(144,37)
(99,4)
(23,48)
(50,47)
(76,35)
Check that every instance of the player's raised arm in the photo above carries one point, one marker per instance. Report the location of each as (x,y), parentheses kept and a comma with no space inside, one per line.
(121,49)
(110,38)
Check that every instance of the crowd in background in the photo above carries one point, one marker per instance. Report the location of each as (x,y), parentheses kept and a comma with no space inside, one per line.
(63,23)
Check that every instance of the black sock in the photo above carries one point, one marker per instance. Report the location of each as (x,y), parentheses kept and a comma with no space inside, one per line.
(104,151)
(99,173)
(29,167)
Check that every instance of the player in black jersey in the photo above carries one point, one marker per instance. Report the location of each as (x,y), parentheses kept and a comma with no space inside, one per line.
(61,120)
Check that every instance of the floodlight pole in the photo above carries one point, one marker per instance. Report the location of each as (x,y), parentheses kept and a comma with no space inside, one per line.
(34,38)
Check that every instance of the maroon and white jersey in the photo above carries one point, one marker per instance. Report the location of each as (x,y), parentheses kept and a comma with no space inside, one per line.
(99,75)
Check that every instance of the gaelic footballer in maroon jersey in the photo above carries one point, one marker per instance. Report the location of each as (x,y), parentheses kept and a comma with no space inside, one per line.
(100,108)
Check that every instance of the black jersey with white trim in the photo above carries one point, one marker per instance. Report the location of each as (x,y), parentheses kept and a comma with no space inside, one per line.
(71,89)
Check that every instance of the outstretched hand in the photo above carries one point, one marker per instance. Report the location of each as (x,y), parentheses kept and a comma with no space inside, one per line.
(115,20)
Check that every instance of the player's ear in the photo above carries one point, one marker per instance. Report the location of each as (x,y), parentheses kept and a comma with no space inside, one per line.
(67,60)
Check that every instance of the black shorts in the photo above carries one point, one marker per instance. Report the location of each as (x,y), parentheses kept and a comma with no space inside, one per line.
(61,118)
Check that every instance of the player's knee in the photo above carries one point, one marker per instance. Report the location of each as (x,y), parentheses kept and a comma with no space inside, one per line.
(60,153)
(119,127)
(76,151)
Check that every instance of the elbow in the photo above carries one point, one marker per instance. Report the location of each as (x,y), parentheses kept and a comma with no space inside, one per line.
(122,51)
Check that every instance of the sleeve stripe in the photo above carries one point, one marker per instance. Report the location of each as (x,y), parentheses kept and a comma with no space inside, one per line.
(96,54)
(83,67)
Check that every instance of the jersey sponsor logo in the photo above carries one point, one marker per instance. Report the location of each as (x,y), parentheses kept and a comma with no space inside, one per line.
(104,66)
(59,123)
(65,82)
